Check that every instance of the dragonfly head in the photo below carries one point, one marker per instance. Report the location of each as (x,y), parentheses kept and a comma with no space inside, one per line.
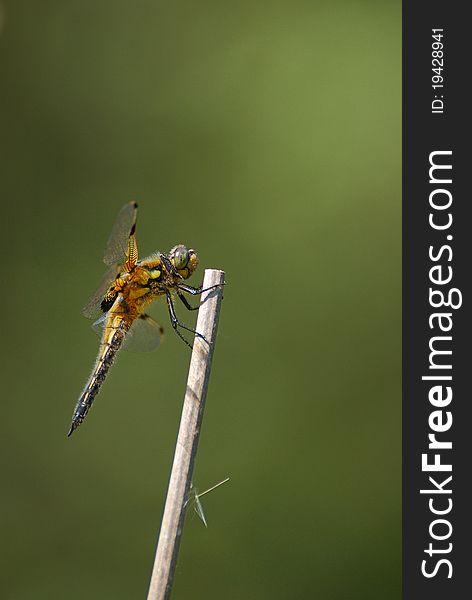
(185,260)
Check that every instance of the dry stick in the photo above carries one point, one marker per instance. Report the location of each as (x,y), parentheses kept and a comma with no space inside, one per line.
(187,440)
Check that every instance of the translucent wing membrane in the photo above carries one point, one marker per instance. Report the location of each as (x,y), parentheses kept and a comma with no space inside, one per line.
(99,325)
(123,228)
(92,309)
(144,335)
(115,254)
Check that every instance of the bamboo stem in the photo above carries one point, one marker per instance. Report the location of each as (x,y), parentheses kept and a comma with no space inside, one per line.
(187,440)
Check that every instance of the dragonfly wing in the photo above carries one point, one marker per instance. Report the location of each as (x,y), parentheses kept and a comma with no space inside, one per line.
(99,325)
(92,309)
(144,335)
(123,229)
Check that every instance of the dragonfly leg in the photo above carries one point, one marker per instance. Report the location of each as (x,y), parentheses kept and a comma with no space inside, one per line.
(185,301)
(176,323)
(197,290)
(194,291)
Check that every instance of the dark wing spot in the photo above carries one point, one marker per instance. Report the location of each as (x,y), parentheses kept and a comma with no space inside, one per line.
(108,301)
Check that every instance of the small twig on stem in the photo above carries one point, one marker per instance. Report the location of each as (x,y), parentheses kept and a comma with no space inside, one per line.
(213,487)
(187,439)
(195,499)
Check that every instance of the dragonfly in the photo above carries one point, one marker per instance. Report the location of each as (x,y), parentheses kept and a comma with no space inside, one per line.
(127,288)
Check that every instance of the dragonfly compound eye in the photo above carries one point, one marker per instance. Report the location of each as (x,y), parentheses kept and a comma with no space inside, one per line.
(179,257)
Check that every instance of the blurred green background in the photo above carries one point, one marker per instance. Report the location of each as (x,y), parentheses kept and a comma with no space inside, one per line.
(267,136)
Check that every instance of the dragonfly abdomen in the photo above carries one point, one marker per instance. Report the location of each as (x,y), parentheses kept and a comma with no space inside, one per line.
(112,340)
